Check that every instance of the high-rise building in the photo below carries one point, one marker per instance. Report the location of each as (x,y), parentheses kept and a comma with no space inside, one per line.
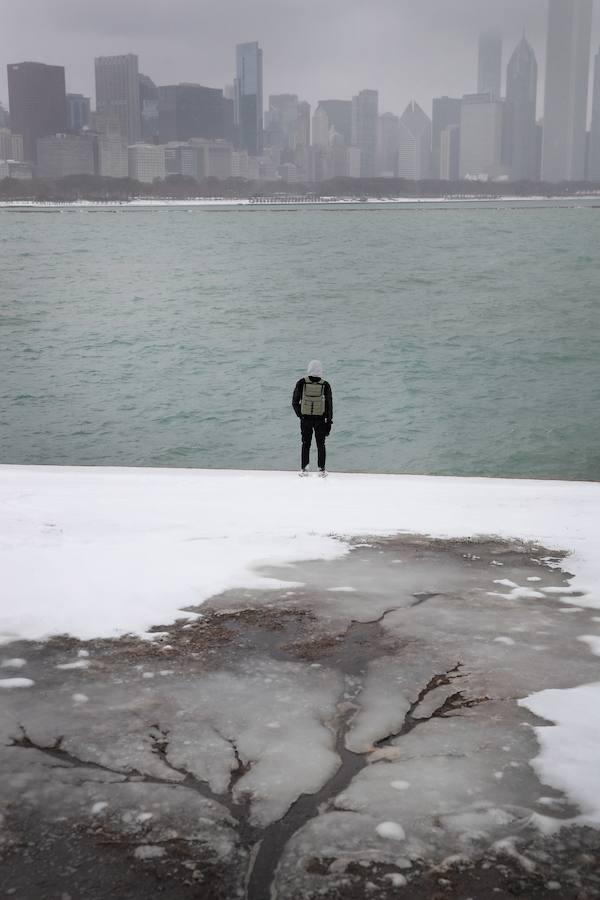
(4,117)
(193,111)
(78,112)
(149,109)
(146,162)
(287,124)
(248,108)
(365,119)
(38,103)
(414,153)
(118,93)
(566,97)
(11,145)
(388,143)
(60,155)
(593,173)
(450,153)
(339,116)
(489,73)
(481,120)
(519,138)
(445,114)
(113,159)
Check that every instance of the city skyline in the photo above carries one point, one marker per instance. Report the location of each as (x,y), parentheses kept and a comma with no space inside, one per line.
(410,63)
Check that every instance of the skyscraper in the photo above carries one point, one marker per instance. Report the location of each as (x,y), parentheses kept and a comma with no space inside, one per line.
(445,114)
(38,103)
(248,108)
(118,93)
(365,120)
(414,155)
(593,173)
(489,75)
(78,111)
(481,119)
(148,109)
(193,111)
(339,115)
(567,76)
(388,142)
(519,139)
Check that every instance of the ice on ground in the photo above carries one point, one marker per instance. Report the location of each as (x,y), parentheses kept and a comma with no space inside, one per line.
(10,683)
(501,639)
(78,664)
(148,851)
(391,830)
(16,663)
(147,544)
(568,759)
(593,642)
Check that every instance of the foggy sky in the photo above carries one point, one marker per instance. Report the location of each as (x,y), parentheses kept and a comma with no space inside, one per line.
(319,49)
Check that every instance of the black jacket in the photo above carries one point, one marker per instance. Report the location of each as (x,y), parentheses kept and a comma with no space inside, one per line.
(297,399)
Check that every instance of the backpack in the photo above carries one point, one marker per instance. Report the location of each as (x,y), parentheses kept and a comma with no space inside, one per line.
(313,398)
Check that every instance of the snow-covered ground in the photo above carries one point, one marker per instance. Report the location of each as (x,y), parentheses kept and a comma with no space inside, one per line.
(104,552)
(100,552)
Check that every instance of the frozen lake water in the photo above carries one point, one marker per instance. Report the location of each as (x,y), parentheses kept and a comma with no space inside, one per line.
(356,724)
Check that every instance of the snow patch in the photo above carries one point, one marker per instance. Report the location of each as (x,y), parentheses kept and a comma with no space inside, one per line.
(13,663)
(392,831)
(148,851)
(9,683)
(504,640)
(593,642)
(78,664)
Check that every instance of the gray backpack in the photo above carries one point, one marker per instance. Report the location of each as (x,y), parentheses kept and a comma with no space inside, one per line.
(313,398)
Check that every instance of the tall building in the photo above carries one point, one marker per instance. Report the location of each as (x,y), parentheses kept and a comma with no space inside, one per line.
(287,122)
(481,120)
(519,138)
(445,114)
(193,111)
(60,155)
(149,109)
(78,112)
(593,173)
(414,154)
(38,103)
(11,145)
(248,108)
(146,162)
(118,93)
(339,116)
(388,143)
(4,117)
(565,102)
(365,120)
(489,73)
(450,153)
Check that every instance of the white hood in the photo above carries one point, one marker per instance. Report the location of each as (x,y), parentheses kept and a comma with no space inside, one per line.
(315,368)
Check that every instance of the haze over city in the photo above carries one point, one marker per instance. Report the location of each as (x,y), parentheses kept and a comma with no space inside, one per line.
(316,50)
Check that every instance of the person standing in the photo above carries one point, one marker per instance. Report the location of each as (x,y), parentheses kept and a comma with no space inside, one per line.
(312,402)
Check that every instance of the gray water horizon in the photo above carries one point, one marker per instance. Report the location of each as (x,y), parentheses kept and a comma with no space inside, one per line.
(458,341)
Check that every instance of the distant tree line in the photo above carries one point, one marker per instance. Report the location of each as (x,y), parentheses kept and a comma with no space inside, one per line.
(98,188)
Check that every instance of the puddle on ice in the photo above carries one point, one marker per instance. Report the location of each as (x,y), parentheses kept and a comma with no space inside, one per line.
(361,726)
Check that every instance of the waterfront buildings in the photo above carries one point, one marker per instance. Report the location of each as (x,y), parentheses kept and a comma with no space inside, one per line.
(146,162)
(193,111)
(388,143)
(11,146)
(481,120)
(593,173)
(78,112)
(414,151)
(38,103)
(248,104)
(149,109)
(566,97)
(4,117)
(339,117)
(520,135)
(449,169)
(445,114)
(287,123)
(118,94)
(113,158)
(365,120)
(489,74)
(60,155)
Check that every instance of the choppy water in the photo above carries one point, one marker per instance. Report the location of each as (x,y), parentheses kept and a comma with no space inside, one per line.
(458,341)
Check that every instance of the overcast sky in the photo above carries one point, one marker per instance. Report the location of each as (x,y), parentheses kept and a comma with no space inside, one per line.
(319,49)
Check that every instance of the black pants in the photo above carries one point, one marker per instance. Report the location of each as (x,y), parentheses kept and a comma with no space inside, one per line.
(308,424)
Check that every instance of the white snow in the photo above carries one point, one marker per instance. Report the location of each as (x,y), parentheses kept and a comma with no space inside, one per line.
(9,683)
(391,830)
(78,664)
(400,785)
(138,546)
(568,759)
(99,807)
(593,642)
(148,851)
(80,698)
(504,640)
(15,663)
